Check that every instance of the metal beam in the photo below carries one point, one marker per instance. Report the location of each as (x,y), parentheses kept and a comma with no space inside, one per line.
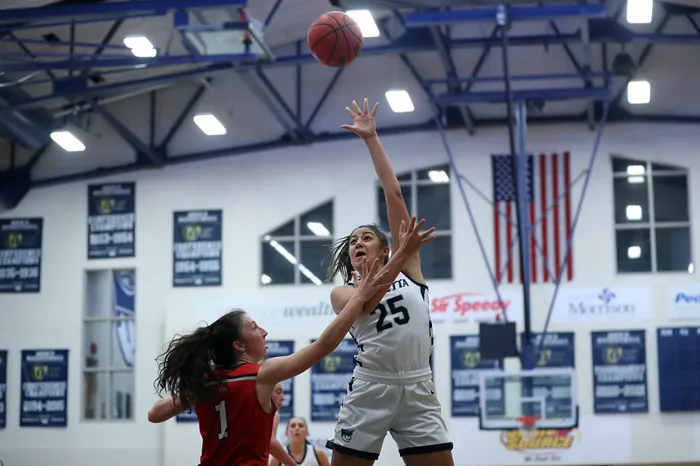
(324,96)
(153,7)
(141,149)
(544,94)
(181,118)
(515,13)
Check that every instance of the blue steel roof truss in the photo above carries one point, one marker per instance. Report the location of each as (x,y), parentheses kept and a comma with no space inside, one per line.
(423,31)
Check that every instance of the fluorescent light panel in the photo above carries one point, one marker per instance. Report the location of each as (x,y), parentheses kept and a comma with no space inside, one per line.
(640,11)
(634,252)
(209,124)
(438,176)
(318,228)
(633,212)
(638,92)
(399,101)
(365,20)
(67,141)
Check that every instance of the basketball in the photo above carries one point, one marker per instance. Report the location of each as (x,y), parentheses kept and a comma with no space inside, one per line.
(334,39)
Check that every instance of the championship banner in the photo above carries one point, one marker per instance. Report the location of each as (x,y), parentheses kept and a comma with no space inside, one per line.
(329,381)
(557,350)
(619,372)
(284,348)
(20,255)
(678,350)
(197,248)
(466,365)
(111,220)
(3,387)
(44,394)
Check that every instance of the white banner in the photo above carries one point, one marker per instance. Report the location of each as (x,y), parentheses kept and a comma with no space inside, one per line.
(683,302)
(474,307)
(596,441)
(617,303)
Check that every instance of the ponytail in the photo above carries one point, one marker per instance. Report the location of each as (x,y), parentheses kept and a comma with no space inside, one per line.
(189,362)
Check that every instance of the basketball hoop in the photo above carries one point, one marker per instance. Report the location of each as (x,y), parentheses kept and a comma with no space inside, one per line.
(528,428)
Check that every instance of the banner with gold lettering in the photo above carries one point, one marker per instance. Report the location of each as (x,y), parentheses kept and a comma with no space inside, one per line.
(44,388)
(111,220)
(20,255)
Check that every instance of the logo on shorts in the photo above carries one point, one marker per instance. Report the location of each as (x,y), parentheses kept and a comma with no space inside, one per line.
(346,434)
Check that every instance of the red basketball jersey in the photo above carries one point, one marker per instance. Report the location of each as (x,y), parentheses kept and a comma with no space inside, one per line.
(235,429)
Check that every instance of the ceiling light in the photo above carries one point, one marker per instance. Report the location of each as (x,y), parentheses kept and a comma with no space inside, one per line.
(318,229)
(137,42)
(635,169)
(638,92)
(634,252)
(265,279)
(209,124)
(67,141)
(144,53)
(635,179)
(640,11)
(399,101)
(365,21)
(438,176)
(633,212)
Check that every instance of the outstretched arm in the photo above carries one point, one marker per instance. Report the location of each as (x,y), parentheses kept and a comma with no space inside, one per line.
(397,211)
(165,409)
(281,457)
(281,368)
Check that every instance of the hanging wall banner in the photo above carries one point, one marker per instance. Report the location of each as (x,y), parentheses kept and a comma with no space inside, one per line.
(466,365)
(111,220)
(557,350)
(197,248)
(20,255)
(283,348)
(44,394)
(679,360)
(3,388)
(619,372)
(329,381)
(123,307)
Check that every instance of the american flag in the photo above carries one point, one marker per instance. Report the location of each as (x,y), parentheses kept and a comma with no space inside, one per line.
(549,214)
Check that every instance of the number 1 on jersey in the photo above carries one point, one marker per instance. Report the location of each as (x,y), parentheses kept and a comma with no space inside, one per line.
(223,422)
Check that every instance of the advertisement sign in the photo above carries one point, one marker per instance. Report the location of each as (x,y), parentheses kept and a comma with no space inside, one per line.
(683,302)
(474,307)
(605,304)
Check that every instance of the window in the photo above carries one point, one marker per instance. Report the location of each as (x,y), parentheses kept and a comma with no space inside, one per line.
(652,219)
(109,344)
(298,251)
(427,195)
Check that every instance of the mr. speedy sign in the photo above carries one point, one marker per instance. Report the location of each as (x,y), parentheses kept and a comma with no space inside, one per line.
(470,307)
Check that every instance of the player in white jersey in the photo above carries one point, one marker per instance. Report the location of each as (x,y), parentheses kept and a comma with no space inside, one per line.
(303,453)
(391,389)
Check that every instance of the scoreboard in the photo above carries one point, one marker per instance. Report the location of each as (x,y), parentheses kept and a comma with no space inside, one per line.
(679,368)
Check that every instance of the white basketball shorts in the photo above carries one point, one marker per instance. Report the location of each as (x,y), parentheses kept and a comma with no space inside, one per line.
(410,412)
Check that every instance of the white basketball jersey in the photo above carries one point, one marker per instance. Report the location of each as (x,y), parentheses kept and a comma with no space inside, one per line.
(310,458)
(395,341)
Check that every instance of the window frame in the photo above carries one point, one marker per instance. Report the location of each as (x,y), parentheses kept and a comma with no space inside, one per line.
(297,238)
(652,224)
(414,183)
(111,319)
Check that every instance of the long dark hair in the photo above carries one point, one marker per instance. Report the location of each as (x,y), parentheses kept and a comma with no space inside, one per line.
(188,364)
(340,253)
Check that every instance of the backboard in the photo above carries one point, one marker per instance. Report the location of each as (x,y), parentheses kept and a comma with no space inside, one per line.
(548,393)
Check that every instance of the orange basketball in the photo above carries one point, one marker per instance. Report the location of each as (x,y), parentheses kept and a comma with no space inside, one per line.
(334,39)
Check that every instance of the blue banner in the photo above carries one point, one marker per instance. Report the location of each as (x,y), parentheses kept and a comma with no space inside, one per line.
(329,381)
(3,388)
(283,348)
(557,350)
(466,365)
(197,248)
(679,369)
(44,399)
(20,255)
(124,296)
(619,372)
(111,220)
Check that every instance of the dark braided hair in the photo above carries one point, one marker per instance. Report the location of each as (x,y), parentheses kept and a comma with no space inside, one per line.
(340,253)
(188,364)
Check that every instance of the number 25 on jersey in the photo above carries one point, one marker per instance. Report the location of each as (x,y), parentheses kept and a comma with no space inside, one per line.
(399,313)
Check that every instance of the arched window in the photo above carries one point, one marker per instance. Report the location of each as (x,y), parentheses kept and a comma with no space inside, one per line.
(652,218)
(297,252)
(427,195)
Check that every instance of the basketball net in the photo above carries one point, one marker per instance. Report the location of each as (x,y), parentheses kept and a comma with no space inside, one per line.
(528,428)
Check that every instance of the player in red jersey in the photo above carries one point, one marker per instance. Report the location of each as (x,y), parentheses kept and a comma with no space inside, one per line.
(215,369)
